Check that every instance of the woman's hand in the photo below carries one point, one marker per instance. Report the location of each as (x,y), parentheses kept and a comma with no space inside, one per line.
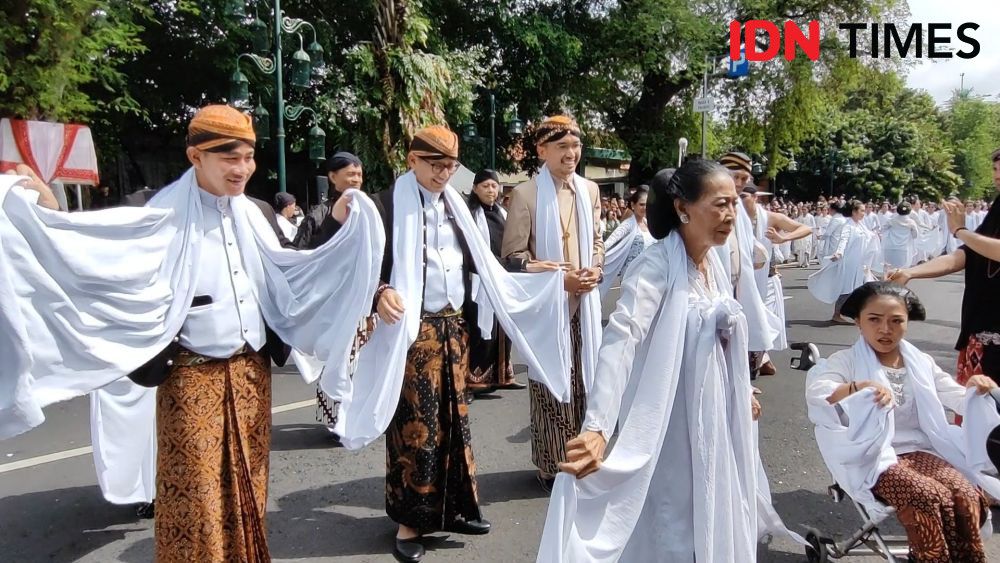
(584,454)
(883,396)
(982,383)
(755,408)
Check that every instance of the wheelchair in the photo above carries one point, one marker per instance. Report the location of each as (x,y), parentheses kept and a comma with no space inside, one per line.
(868,539)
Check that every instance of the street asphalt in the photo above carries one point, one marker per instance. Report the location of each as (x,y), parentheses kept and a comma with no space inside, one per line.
(326,503)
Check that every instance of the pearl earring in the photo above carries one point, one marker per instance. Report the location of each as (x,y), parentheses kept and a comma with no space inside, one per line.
(685,219)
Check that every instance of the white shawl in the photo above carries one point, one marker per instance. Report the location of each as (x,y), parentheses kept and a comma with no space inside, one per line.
(549,246)
(855,436)
(842,276)
(484,228)
(760,233)
(123,434)
(616,251)
(529,307)
(760,321)
(653,339)
(101,293)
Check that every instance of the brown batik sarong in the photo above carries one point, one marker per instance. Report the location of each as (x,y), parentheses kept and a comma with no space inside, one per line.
(214,431)
(940,510)
(554,423)
(489,360)
(430,471)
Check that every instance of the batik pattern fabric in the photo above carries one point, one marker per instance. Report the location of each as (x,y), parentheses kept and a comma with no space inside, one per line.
(554,423)
(213,436)
(430,469)
(489,360)
(941,511)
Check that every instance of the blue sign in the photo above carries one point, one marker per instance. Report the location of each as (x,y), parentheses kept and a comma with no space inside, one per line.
(739,67)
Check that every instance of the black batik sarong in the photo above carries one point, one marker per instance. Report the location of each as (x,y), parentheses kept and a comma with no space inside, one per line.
(430,469)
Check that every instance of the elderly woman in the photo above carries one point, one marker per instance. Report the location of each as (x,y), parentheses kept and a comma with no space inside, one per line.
(628,241)
(681,483)
(979,338)
(912,459)
(489,359)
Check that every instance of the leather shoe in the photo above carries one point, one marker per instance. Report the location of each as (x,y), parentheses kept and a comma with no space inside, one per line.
(409,551)
(513,385)
(469,527)
(768,369)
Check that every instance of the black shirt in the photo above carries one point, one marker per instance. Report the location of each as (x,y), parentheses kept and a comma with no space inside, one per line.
(981,301)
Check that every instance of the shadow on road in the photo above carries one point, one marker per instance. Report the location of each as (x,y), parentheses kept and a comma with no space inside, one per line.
(292,437)
(62,524)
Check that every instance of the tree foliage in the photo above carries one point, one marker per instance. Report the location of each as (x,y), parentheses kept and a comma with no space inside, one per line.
(60,59)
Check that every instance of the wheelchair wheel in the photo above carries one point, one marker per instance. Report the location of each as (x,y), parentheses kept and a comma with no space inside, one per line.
(816,551)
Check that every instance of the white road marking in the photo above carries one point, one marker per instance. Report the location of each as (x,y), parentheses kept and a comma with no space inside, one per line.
(87,450)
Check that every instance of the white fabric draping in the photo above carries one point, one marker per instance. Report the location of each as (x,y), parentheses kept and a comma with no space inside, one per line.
(840,277)
(899,241)
(616,251)
(530,307)
(57,152)
(663,356)
(123,434)
(103,292)
(549,246)
(760,321)
(855,435)
(482,225)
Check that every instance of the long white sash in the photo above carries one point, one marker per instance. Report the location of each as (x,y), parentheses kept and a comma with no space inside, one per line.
(857,447)
(116,286)
(616,251)
(549,246)
(592,519)
(529,307)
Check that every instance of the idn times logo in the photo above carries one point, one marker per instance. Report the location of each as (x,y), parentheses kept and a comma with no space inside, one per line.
(762,40)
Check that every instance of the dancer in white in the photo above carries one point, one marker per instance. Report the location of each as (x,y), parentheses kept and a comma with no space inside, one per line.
(879,410)
(627,242)
(899,240)
(683,481)
(846,267)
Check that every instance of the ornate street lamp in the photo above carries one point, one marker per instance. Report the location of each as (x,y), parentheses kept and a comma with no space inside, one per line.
(304,62)
(469,132)
(235,9)
(239,87)
(262,123)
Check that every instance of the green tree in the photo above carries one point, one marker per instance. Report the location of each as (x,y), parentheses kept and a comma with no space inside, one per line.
(60,59)
(974,127)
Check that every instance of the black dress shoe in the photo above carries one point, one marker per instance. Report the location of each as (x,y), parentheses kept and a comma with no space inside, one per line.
(146,510)
(408,551)
(469,527)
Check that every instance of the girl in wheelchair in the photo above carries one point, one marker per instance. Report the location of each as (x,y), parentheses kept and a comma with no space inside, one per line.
(879,409)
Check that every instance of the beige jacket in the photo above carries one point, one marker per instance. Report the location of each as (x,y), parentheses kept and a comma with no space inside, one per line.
(519,233)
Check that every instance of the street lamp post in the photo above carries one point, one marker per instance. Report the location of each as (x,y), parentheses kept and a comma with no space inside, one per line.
(470,134)
(835,159)
(305,61)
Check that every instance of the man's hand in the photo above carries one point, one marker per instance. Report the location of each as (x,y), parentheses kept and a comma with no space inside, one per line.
(340,209)
(45,196)
(537,266)
(902,277)
(956,215)
(584,454)
(390,306)
(775,236)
